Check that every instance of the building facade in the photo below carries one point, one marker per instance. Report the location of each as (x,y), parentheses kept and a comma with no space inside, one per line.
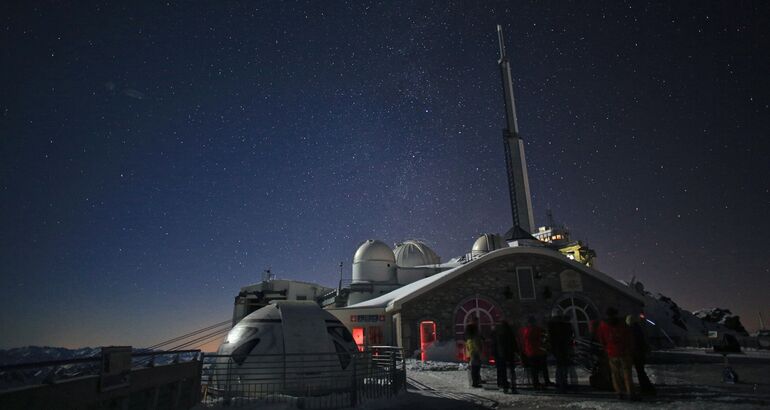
(431,314)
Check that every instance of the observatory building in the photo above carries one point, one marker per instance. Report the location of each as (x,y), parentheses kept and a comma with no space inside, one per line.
(406,296)
(377,269)
(270,289)
(493,281)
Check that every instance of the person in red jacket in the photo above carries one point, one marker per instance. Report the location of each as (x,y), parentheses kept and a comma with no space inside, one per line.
(533,352)
(616,338)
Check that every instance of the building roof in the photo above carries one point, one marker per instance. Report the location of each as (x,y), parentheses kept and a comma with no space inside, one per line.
(283,282)
(393,301)
(516,232)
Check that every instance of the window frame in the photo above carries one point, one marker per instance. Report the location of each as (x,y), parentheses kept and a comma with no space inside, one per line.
(532,281)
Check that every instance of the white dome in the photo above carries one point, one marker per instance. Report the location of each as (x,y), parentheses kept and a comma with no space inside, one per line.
(488,242)
(374,250)
(374,262)
(285,327)
(414,253)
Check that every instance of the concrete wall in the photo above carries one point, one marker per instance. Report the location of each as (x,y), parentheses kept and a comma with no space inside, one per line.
(496,281)
(174,387)
(366,318)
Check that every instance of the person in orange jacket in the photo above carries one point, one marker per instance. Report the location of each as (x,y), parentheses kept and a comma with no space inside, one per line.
(616,337)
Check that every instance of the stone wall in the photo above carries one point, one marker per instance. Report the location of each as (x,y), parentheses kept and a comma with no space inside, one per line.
(496,281)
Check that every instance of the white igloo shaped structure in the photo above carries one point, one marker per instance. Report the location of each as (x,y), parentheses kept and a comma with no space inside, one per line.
(287,347)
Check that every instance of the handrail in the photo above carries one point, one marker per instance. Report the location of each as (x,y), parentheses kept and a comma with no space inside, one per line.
(316,379)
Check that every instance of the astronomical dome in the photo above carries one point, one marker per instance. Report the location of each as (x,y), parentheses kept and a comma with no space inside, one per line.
(412,253)
(374,262)
(374,250)
(488,242)
(251,348)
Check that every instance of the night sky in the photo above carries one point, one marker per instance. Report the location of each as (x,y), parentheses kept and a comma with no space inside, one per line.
(154,158)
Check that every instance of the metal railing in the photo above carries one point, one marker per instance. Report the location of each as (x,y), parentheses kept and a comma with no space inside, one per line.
(180,378)
(150,380)
(306,380)
(51,371)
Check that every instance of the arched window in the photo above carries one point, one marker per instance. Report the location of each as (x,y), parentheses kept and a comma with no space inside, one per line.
(580,313)
(481,309)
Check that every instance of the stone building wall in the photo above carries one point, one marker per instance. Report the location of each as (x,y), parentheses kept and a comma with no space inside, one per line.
(496,281)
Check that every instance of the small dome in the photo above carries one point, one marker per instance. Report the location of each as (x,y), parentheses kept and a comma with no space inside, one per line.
(488,242)
(285,327)
(374,250)
(414,253)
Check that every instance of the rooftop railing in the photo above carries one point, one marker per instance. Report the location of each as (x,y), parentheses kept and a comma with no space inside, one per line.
(306,380)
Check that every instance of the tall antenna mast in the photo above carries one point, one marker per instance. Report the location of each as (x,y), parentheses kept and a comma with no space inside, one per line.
(505,69)
(551,221)
(515,162)
(339,287)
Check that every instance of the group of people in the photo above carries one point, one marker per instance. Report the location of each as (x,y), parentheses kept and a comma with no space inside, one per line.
(622,345)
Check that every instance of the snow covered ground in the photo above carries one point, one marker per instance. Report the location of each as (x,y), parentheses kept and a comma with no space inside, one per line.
(693,385)
(680,386)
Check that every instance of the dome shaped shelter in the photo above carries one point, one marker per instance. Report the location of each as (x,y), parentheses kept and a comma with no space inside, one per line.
(374,262)
(293,346)
(486,243)
(411,253)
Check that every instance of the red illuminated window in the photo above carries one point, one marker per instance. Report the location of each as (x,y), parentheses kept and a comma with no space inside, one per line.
(358,337)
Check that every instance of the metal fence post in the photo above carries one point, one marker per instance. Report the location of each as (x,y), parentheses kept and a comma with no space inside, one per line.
(283,387)
(353,384)
(226,401)
(198,384)
(403,370)
(393,373)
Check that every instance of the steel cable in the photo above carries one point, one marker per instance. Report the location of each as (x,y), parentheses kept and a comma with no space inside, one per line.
(188,335)
(199,338)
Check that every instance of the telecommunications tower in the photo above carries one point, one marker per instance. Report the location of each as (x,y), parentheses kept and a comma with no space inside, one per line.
(516,164)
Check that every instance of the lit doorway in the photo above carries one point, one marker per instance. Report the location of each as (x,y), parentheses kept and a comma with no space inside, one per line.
(427,337)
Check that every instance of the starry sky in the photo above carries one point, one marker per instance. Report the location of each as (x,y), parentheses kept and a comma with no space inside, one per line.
(155,157)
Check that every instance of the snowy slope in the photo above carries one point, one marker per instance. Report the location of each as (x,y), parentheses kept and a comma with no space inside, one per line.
(676,326)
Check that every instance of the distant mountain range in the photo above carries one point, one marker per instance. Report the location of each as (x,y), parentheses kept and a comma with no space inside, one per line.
(29,354)
(46,374)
